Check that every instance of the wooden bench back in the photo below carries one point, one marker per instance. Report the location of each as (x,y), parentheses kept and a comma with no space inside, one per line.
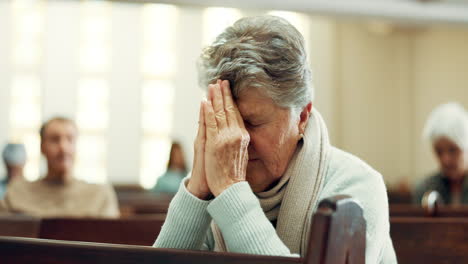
(404,210)
(430,240)
(143,203)
(41,251)
(131,231)
(19,225)
(337,237)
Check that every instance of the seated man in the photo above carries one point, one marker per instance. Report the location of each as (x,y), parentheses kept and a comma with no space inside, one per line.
(59,194)
(14,156)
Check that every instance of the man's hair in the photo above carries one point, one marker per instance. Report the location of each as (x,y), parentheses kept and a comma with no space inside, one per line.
(54,119)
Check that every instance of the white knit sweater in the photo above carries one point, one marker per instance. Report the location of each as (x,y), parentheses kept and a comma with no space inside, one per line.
(246,229)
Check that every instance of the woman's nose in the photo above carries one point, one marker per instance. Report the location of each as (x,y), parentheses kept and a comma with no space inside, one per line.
(445,159)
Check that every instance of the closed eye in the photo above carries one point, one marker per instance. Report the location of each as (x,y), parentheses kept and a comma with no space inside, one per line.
(252,125)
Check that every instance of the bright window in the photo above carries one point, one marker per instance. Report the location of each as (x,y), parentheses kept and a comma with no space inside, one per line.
(26,90)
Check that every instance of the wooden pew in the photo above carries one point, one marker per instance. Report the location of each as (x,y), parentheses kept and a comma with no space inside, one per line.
(19,225)
(337,237)
(40,251)
(131,231)
(403,210)
(432,205)
(430,240)
(399,196)
(141,230)
(143,203)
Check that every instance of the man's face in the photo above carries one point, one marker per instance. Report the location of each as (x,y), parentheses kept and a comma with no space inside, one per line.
(59,145)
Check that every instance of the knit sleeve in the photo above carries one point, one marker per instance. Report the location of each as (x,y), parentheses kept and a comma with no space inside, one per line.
(244,226)
(186,224)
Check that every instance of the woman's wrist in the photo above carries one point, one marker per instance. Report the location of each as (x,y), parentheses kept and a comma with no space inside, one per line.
(220,189)
(191,188)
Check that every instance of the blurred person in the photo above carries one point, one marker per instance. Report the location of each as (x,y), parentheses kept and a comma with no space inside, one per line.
(262,159)
(447,131)
(169,182)
(59,193)
(14,157)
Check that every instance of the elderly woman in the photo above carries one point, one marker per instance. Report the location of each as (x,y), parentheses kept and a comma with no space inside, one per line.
(447,130)
(263,159)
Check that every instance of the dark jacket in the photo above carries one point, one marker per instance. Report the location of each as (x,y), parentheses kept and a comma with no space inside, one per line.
(441,184)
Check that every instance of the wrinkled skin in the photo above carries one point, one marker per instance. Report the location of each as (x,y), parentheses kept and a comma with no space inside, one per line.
(224,156)
(252,140)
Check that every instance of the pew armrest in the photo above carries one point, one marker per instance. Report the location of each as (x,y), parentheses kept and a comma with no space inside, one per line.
(338,232)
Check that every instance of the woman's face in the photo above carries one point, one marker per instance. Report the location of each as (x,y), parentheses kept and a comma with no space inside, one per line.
(451,158)
(274,134)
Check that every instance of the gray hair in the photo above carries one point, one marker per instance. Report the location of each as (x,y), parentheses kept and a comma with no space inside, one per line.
(264,52)
(448,120)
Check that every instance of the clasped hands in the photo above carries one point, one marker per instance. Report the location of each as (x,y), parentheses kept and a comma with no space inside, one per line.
(220,148)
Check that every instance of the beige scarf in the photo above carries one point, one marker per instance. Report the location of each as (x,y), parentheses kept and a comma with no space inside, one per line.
(294,199)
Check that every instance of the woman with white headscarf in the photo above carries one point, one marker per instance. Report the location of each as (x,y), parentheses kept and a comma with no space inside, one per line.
(447,131)
(263,159)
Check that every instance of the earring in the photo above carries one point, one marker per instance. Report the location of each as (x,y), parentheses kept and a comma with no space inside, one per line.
(301,135)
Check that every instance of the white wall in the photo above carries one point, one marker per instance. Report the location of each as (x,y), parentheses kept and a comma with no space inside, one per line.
(373,92)
(59,69)
(388,83)
(124,134)
(323,59)
(5,74)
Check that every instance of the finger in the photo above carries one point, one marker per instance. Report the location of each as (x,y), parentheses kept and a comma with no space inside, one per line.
(199,144)
(208,95)
(218,105)
(210,121)
(229,105)
(232,111)
(201,124)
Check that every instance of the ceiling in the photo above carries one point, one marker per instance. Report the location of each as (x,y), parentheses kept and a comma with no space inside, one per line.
(416,11)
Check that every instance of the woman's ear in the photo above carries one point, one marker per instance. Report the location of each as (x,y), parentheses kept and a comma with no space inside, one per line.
(304,117)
